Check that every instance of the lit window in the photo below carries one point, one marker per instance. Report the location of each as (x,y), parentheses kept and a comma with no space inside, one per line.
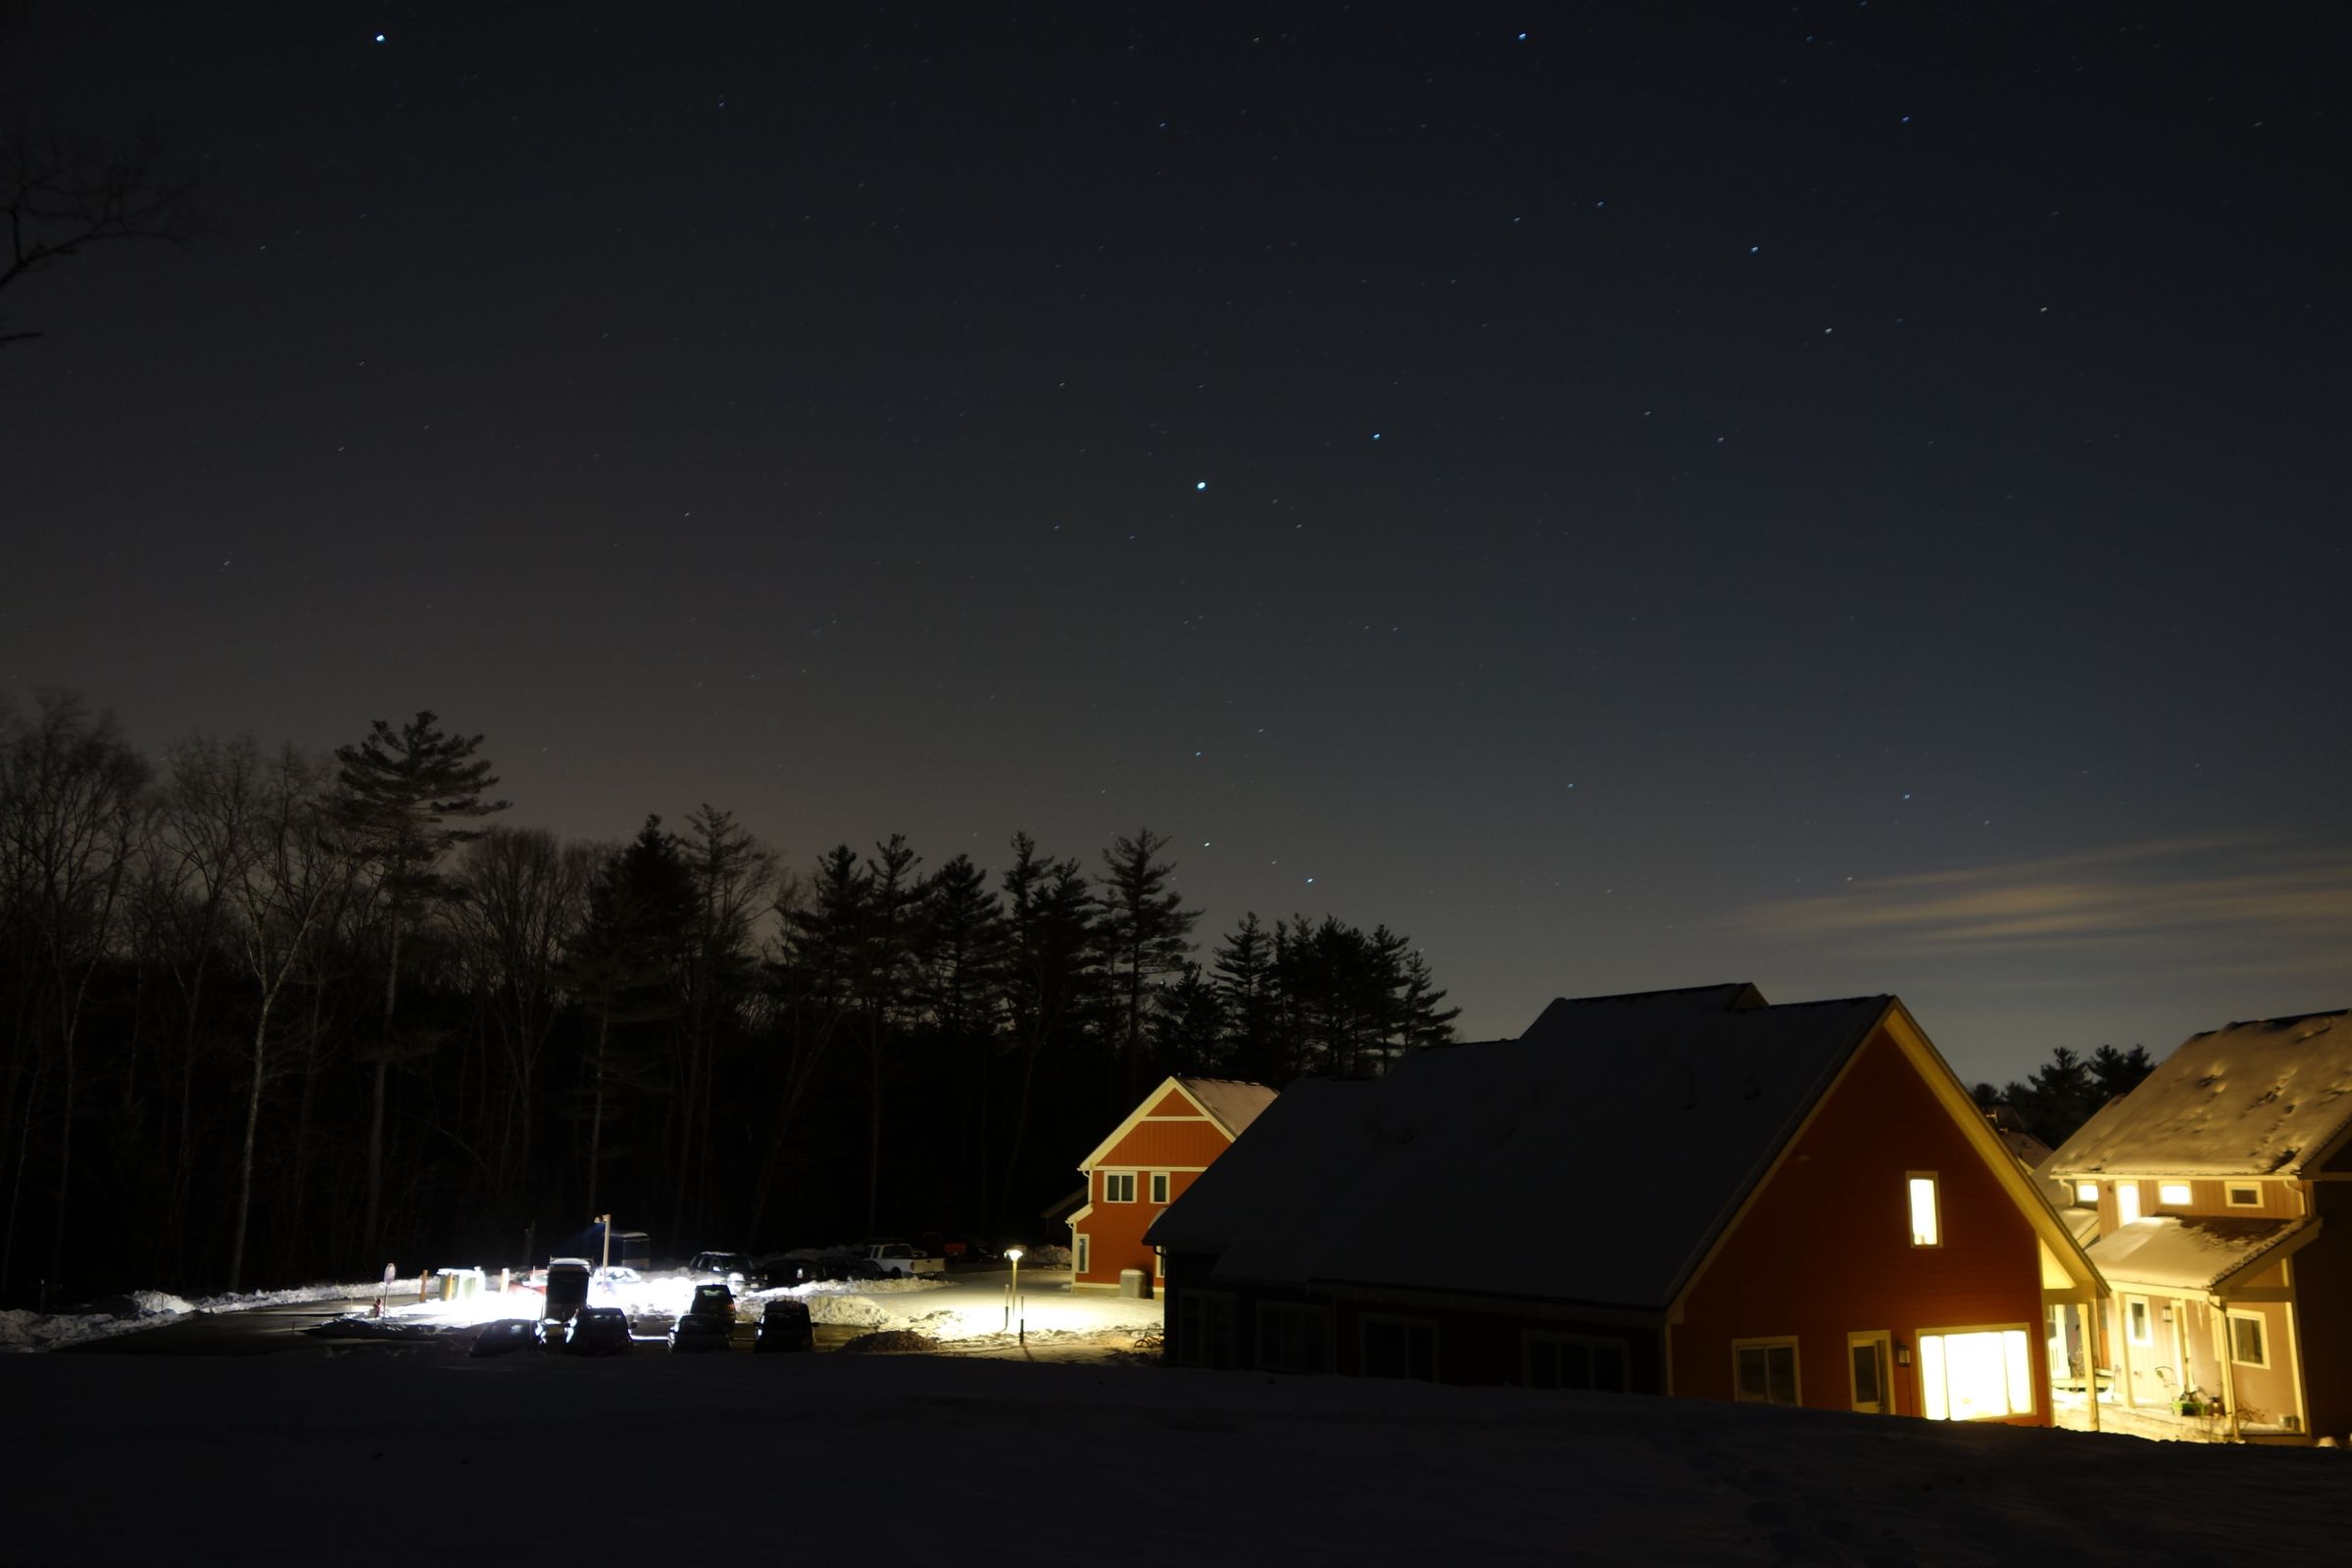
(2173,1195)
(2244,1197)
(1978,1376)
(2138,1326)
(2086,1192)
(2249,1346)
(1118,1186)
(2126,1202)
(1926,1231)
(1766,1372)
(1159,1187)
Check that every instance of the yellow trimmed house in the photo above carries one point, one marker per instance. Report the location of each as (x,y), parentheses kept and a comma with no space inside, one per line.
(1145,1165)
(2203,1196)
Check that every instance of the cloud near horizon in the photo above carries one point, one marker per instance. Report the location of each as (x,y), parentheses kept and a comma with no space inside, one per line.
(2213,900)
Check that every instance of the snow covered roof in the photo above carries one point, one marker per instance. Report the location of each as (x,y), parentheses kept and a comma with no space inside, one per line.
(1233,1102)
(2190,1253)
(2253,1100)
(1591,1160)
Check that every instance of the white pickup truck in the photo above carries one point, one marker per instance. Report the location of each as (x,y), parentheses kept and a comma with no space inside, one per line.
(903,1259)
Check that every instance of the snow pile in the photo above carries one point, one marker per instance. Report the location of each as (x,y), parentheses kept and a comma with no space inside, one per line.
(292,1295)
(23,1331)
(890,1342)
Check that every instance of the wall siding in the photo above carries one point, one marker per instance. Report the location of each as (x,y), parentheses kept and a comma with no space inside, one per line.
(1115,1231)
(1826,1248)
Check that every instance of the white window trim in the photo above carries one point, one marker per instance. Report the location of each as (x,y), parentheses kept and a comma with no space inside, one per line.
(2231,1190)
(2034,1394)
(2086,1192)
(2121,1217)
(1531,1338)
(1082,1250)
(1110,1186)
(2147,1314)
(2166,1189)
(1796,1367)
(1159,1184)
(1934,1206)
(2261,1323)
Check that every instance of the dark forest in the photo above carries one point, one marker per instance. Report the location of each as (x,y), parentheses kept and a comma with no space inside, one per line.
(270,1015)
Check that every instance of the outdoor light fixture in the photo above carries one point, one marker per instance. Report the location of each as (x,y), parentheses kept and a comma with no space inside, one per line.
(1012,1292)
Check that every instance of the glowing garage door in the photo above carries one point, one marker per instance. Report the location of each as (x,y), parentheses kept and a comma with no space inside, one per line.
(1975,1377)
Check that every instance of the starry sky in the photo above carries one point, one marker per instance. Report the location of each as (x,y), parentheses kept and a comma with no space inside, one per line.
(1843,496)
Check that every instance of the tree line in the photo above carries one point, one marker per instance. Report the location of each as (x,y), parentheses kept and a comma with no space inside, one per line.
(268,1014)
(2058,1097)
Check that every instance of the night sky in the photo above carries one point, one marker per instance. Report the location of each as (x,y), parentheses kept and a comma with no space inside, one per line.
(1848,497)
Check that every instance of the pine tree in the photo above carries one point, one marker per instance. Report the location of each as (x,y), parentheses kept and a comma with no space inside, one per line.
(1053,971)
(400,788)
(1246,984)
(1147,931)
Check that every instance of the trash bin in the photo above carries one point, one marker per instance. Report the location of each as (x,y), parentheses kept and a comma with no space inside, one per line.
(449,1285)
(1134,1282)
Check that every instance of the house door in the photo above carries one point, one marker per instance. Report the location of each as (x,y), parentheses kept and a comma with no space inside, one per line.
(1867,1357)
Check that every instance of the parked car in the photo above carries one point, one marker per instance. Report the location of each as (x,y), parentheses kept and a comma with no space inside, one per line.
(784,1326)
(599,1331)
(715,1300)
(696,1332)
(503,1338)
(723,1265)
(553,1332)
(903,1261)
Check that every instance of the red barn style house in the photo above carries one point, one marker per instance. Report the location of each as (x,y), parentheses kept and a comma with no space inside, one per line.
(1680,1191)
(2208,1189)
(1141,1167)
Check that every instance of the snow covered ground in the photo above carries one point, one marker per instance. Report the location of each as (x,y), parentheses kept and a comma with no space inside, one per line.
(968,1310)
(22,1330)
(150,1459)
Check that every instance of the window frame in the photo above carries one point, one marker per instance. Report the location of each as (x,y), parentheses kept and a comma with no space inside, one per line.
(2231,1190)
(2087,1193)
(1209,1322)
(1394,1320)
(2031,1383)
(1529,1339)
(2262,1334)
(2138,1210)
(1159,1188)
(1320,1315)
(1118,1186)
(1797,1369)
(2166,1189)
(2144,1335)
(1081,1248)
(1911,1184)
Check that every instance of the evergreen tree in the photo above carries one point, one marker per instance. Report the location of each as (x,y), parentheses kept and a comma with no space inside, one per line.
(624,966)
(1147,931)
(400,791)
(1250,1002)
(1053,971)
(1189,1025)
(2116,1073)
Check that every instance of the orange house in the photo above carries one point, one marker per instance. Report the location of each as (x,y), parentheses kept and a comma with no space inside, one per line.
(1688,1193)
(1148,1162)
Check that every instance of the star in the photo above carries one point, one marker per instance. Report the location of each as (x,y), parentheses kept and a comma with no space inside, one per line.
(1200,484)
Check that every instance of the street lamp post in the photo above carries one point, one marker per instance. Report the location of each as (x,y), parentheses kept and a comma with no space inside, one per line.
(1013,1291)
